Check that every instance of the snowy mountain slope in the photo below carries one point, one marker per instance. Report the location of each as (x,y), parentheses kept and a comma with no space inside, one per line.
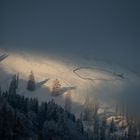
(106,84)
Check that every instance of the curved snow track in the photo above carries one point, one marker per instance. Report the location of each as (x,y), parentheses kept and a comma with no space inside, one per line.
(111,73)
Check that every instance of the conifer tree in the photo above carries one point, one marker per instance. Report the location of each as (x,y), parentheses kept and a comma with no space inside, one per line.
(31,85)
(96,128)
(86,113)
(17,80)
(68,101)
(103,128)
(80,126)
(13,85)
(56,87)
(112,126)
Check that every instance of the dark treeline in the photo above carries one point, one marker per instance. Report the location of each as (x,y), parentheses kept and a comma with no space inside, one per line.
(23,118)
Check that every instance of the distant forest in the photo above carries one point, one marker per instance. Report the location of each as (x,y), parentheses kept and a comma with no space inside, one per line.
(23,118)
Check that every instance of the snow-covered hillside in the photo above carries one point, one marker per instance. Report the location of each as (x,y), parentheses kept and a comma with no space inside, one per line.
(96,79)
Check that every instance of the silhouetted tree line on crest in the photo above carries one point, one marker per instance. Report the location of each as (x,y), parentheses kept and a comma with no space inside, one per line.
(23,118)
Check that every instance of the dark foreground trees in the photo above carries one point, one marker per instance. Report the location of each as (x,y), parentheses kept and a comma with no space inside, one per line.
(24,119)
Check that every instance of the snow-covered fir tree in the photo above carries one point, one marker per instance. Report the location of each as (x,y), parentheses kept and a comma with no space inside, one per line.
(56,86)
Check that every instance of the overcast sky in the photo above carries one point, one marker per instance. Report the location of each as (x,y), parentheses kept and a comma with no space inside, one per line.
(106,29)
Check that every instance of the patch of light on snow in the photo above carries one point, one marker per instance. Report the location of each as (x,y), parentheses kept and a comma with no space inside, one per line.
(44,68)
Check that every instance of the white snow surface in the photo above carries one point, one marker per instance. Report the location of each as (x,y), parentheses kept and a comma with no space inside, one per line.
(108,88)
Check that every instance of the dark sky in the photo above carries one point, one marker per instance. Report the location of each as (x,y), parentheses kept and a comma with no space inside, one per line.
(107,28)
